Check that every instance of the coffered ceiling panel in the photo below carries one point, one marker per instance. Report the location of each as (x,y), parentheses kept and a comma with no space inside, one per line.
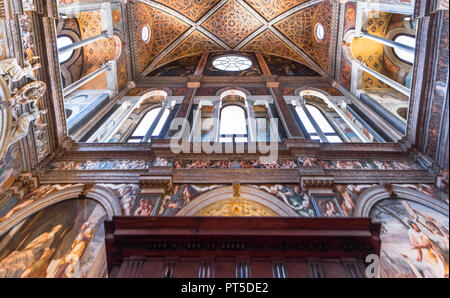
(232,23)
(165,29)
(270,9)
(142,16)
(192,9)
(300,29)
(268,42)
(285,28)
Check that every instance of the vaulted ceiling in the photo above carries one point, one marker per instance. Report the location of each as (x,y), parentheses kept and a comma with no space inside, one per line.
(181,28)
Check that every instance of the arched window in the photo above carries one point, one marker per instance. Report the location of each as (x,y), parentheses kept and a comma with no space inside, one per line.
(406,40)
(233,124)
(146,123)
(62,42)
(317,119)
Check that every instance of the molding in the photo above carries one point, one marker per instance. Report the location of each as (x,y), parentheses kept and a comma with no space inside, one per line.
(373,195)
(105,197)
(246,192)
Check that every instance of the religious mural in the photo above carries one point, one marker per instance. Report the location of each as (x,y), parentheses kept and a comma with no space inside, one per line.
(285,67)
(146,205)
(235,164)
(360,164)
(180,196)
(109,164)
(291,195)
(32,197)
(63,240)
(181,67)
(327,206)
(128,195)
(414,239)
(10,167)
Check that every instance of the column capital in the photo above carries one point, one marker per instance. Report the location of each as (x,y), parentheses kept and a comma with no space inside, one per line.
(317,184)
(155,184)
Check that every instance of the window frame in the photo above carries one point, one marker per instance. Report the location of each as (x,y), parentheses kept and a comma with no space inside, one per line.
(315,133)
(144,114)
(235,55)
(233,136)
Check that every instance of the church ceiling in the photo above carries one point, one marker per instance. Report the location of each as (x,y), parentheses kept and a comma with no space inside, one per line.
(182,28)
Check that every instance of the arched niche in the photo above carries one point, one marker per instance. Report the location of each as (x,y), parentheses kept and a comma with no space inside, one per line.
(65,239)
(105,197)
(371,196)
(266,204)
(414,234)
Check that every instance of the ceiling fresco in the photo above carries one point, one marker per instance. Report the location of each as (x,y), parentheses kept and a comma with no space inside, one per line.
(283,28)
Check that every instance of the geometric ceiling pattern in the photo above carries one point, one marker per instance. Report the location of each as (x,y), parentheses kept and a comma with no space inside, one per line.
(286,28)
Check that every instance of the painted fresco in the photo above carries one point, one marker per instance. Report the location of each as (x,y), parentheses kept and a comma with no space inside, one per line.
(285,67)
(128,194)
(292,196)
(109,164)
(429,190)
(179,68)
(63,240)
(347,196)
(414,239)
(180,196)
(360,164)
(327,206)
(146,205)
(33,197)
(235,164)
(10,167)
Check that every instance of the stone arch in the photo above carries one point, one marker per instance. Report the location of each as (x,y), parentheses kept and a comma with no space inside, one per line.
(243,90)
(258,196)
(105,197)
(371,196)
(313,92)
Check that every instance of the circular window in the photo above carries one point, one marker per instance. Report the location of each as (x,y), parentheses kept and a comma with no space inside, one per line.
(232,63)
(145,33)
(320,32)
(62,42)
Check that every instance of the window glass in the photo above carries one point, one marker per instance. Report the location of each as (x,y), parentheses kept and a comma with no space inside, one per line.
(146,122)
(232,63)
(62,42)
(233,122)
(408,41)
(320,32)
